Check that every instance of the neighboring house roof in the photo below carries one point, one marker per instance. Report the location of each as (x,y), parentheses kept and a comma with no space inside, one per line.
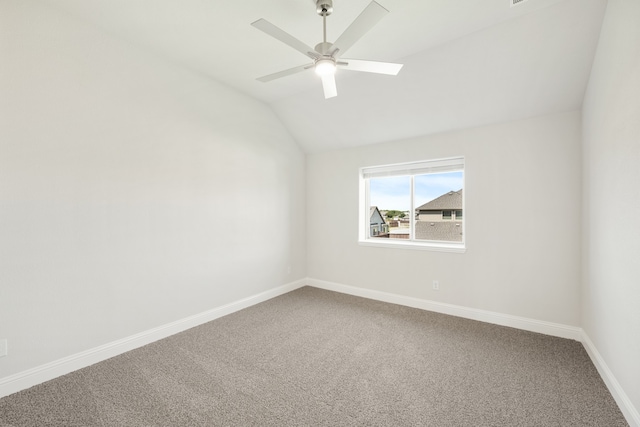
(450,231)
(451,200)
(372,212)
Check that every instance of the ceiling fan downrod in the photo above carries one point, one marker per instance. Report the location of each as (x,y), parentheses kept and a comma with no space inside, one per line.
(324,9)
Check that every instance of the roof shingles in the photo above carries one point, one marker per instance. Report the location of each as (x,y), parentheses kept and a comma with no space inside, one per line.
(449,231)
(449,201)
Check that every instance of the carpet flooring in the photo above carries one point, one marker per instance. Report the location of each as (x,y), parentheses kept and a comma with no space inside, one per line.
(318,358)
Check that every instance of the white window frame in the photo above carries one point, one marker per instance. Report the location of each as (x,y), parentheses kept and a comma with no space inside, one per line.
(411,169)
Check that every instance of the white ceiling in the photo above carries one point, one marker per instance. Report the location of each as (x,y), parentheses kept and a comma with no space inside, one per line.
(467,62)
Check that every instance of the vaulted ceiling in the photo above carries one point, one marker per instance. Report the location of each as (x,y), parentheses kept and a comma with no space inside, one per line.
(467,62)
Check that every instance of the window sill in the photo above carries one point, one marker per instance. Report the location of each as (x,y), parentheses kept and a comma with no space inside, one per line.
(426,246)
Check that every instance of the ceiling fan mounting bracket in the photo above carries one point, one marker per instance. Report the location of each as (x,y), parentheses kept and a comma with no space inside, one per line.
(324,7)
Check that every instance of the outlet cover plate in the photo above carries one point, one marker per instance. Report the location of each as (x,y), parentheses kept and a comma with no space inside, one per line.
(3,348)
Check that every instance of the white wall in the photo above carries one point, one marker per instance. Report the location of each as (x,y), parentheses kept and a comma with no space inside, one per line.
(611,129)
(132,193)
(525,263)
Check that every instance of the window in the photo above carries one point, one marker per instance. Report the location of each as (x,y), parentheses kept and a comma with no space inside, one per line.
(428,193)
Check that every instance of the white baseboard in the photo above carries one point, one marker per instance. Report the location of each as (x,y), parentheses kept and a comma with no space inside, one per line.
(533,325)
(621,398)
(547,328)
(49,371)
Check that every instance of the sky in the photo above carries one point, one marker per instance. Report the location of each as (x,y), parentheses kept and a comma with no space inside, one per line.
(393,192)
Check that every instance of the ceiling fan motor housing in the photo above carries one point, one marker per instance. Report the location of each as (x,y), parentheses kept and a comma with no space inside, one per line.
(324,7)
(323,48)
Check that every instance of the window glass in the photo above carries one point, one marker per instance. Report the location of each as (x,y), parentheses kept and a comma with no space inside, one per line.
(386,195)
(437,196)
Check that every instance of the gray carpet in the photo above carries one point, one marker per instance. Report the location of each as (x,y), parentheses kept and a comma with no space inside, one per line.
(313,357)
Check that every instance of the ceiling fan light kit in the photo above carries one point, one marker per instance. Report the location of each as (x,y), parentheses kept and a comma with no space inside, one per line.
(325,55)
(325,67)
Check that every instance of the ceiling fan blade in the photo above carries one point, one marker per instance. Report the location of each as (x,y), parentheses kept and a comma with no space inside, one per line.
(371,66)
(286,38)
(363,23)
(284,73)
(329,86)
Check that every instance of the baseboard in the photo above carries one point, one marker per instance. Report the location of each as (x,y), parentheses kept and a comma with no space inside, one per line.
(49,371)
(621,398)
(547,328)
(533,325)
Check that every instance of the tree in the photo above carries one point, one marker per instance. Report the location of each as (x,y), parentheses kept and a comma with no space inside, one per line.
(395,213)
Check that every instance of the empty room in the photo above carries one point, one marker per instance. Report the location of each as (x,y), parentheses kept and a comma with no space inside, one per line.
(319,212)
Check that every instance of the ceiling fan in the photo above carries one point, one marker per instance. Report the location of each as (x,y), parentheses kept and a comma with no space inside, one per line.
(327,56)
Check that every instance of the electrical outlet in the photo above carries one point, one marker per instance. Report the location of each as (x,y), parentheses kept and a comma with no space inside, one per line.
(436,285)
(289,270)
(3,348)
